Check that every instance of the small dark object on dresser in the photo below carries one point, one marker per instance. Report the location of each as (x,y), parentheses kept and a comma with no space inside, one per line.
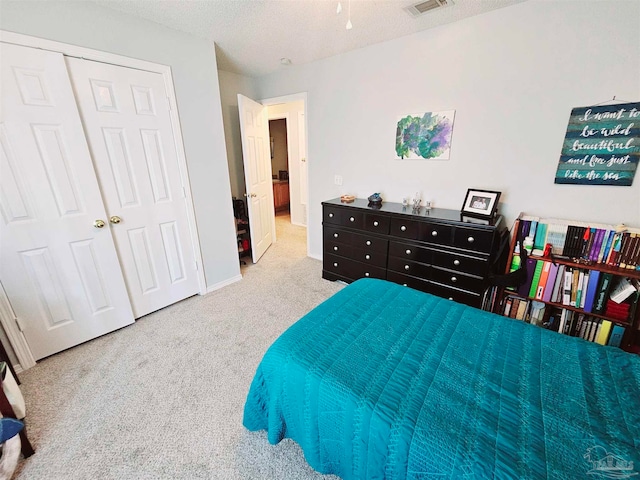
(375,200)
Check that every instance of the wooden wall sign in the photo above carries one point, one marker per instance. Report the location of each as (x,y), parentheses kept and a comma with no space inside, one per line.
(602,146)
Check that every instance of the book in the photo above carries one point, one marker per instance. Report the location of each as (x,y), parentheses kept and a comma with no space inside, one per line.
(566,289)
(523,290)
(583,290)
(605,251)
(603,333)
(522,309)
(616,336)
(575,330)
(507,306)
(634,255)
(556,236)
(542,282)
(615,249)
(574,286)
(624,250)
(536,278)
(592,286)
(536,313)
(595,328)
(579,289)
(514,307)
(540,239)
(602,292)
(622,290)
(556,295)
(587,241)
(551,282)
(597,242)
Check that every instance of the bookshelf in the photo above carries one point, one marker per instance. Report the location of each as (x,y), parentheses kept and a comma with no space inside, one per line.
(575,291)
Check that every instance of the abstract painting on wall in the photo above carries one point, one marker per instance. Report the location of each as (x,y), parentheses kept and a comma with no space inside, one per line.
(425,135)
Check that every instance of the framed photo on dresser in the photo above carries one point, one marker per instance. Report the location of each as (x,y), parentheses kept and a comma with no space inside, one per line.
(480,203)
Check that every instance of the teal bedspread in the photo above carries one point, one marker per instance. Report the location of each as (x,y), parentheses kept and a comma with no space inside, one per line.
(381,381)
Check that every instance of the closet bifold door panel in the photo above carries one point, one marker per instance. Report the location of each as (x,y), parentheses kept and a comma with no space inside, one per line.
(125,113)
(61,273)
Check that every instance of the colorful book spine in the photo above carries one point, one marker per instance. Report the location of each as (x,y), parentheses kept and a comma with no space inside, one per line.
(552,280)
(544,276)
(536,278)
(594,278)
(616,336)
(607,247)
(603,332)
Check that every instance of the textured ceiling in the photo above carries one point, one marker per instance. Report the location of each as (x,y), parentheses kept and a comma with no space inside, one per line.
(253,35)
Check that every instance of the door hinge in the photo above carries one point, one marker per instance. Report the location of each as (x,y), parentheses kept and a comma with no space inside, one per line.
(20,325)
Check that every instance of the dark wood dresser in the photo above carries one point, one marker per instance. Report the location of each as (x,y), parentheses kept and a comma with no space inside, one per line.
(430,250)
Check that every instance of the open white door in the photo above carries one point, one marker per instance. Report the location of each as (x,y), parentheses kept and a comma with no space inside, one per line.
(254,130)
(61,273)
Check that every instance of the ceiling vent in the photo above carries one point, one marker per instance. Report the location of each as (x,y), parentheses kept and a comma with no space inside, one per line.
(423,7)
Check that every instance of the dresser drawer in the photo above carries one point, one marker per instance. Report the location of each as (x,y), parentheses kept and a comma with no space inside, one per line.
(404,228)
(342,216)
(473,239)
(336,248)
(370,243)
(376,223)
(436,233)
(370,257)
(460,296)
(457,279)
(350,268)
(337,235)
(461,263)
(408,281)
(410,252)
(408,267)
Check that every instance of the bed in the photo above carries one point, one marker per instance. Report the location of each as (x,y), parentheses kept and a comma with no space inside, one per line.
(382,381)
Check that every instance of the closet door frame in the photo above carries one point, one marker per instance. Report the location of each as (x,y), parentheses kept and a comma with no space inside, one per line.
(9,323)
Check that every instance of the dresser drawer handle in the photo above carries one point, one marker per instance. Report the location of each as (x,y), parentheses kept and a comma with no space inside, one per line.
(331,215)
(352,219)
(450,298)
(403,228)
(470,239)
(335,235)
(368,242)
(405,285)
(456,262)
(368,257)
(335,264)
(335,249)
(407,251)
(454,279)
(434,233)
(406,267)
(375,224)
(366,274)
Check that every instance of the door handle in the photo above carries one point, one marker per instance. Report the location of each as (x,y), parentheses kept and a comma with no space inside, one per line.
(115,219)
(99,223)
(253,195)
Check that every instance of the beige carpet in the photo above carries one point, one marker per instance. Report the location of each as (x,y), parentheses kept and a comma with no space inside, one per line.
(163,398)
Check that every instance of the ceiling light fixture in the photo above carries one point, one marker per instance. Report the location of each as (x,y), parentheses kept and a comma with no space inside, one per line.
(339,11)
(285,61)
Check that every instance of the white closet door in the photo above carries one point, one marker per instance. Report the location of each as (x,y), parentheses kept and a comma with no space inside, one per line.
(60,272)
(125,113)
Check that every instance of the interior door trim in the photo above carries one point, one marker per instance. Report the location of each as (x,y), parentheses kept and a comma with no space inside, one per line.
(18,342)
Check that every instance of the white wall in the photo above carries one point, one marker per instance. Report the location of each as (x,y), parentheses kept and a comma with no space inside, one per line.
(512,75)
(290,110)
(231,84)
(193,65)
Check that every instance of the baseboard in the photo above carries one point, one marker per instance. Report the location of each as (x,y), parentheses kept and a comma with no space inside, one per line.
(315,257)
(224,283)
(299,224)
